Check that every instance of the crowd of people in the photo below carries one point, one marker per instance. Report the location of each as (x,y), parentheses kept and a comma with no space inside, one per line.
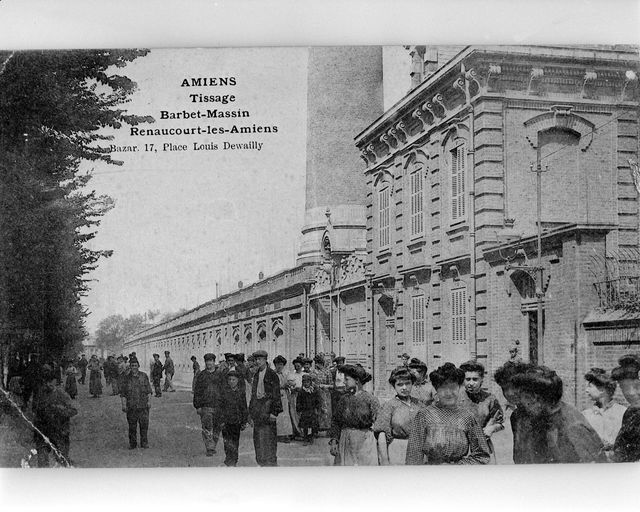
(443,417)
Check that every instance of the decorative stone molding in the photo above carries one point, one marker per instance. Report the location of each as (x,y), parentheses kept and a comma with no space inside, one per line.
(589,76)
(277,326)
(394,136)
(438,99)
(419,115)
(418,157)
(455,131)
(384,139)
(322,280)
(560,116)
(535,75)
(352,270)
(401,129)
(428,106)
(383,174)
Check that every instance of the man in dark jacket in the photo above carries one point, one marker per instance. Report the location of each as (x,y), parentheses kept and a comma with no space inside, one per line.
(135,391)
(169,370)
(53,411)
(32,380)
(560,433)
(205,399)
(156,374)
(82,366)
(232,407)
(264,408)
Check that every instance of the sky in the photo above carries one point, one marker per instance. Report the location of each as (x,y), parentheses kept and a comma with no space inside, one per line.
(184,220)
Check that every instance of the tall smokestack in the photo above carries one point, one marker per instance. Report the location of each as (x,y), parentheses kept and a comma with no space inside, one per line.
(344,96)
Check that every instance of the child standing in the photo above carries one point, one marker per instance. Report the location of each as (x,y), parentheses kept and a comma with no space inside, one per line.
(232,408)
(307,406)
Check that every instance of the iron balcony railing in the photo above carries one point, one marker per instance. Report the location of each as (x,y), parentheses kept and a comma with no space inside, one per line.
(619,293)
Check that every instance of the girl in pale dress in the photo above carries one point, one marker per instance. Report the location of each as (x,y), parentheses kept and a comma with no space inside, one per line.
(295,385)
(394,419)
(283,422)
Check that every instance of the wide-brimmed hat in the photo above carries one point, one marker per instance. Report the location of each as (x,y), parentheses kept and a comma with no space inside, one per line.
(356,372)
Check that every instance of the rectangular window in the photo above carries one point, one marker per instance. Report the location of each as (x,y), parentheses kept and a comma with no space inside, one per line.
(417,320)
(383,217)
(459,315)
(458,187)
(417,204)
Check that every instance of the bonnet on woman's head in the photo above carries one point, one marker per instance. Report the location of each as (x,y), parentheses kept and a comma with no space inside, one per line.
(356,371)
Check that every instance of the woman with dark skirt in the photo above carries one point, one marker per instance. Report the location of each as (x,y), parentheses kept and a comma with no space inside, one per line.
(95,378)
(70,385)
(352,440)
(627,445)
(308,405)
(445,432)
(394,419)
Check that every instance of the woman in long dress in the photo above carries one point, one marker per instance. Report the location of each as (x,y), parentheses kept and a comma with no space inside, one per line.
(283,421)
(352,440)
(295,385)
(394,419)
(445,432)
(70,385)
(95,378)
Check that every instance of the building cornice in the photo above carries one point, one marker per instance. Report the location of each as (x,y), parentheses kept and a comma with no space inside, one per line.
(513,72)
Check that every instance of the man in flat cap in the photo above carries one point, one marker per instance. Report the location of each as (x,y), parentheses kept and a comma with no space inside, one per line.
(264,408)
(206,394)
(156,374)
(169,370)
(134,392)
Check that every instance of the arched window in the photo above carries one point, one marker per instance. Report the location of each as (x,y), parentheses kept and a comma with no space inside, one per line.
(262,331)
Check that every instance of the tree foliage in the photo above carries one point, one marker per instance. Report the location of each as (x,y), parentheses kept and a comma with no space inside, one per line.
(113,330)
(54,106)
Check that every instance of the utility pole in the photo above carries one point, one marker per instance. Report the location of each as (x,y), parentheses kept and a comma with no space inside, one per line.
(539,278)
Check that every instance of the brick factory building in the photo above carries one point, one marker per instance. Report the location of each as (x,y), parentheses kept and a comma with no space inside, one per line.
(434,249)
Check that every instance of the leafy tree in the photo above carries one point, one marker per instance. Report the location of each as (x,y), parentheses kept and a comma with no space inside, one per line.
(54,106)
(113,331)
